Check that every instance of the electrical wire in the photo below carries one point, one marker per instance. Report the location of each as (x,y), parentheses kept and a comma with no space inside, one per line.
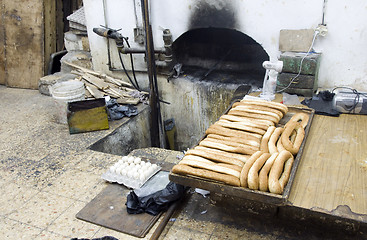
(300,67)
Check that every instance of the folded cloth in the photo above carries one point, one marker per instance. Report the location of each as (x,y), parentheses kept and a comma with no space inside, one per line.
(116,111)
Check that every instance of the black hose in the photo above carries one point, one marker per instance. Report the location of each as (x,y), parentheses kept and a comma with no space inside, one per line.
(132,64)
(127,74)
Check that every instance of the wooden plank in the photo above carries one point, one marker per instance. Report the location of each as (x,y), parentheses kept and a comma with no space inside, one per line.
(50,30)
(59,25)
(99,212)
(24,23)
(2,45)
(99,83)
(333,169)
(93,90)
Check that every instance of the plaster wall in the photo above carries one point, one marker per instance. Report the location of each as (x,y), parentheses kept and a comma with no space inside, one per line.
(343,49)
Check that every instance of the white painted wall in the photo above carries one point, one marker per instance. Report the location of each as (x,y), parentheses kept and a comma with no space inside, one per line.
(344,49)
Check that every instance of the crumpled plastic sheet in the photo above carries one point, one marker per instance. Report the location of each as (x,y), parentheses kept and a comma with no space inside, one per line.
(116,111)
(154,203)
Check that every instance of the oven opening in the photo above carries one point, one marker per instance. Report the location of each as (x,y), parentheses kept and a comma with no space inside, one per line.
(220,54)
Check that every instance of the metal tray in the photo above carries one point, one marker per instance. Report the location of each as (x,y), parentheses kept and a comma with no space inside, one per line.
(240,192)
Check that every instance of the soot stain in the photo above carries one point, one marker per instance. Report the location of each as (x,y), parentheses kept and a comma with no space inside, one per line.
(220,14)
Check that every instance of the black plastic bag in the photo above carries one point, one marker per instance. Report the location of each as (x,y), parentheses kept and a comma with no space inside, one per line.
(154,203)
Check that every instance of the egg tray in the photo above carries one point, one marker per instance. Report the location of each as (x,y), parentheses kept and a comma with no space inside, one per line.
(131,172)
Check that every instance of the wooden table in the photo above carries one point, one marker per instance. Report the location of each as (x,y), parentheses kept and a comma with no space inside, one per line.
(333,169)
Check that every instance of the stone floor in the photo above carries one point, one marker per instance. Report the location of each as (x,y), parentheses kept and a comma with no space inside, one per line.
(47,176)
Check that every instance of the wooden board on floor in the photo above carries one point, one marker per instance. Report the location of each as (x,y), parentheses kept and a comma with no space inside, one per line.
(333,168)
(108,209)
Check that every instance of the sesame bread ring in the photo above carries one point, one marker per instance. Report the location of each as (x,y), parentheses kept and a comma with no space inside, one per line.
(277,177)
(239,126)
(260,102)
(264,172)
(257,107)
(265,139)
(235,139)
(228,132)
(247,166)
(221,145)
(273,140)
(302,117)
(248,121)
(183,169)
(211,151)
(285,138)
(236,112)
(253,174)
(257,111)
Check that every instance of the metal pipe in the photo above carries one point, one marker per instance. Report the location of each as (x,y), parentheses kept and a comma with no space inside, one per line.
(127,50)
(156,126)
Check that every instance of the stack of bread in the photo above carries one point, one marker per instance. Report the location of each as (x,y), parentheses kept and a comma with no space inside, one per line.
(244,147)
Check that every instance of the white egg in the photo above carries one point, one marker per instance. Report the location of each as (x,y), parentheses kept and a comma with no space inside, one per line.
(129,174)
(124,158)
(130,159)
(123,172)
(136,175)
(112,169)
(155,166)
(118,170)
(142,163)
(120,161)
(132,164)
(141,177)
(137,160)
(148,164)
(140,171)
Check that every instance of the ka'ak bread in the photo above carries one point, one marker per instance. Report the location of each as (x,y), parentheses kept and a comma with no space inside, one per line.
(183,169)
(241,157)
(280,172)
(216,157)
(222,145)
(199,162)
(235,140)
(228,132)
(299,117)
(265,139)
(247,166)
(257,107)
(248,121)
(240,126)
(285,138)
(279,106)
(255,115)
